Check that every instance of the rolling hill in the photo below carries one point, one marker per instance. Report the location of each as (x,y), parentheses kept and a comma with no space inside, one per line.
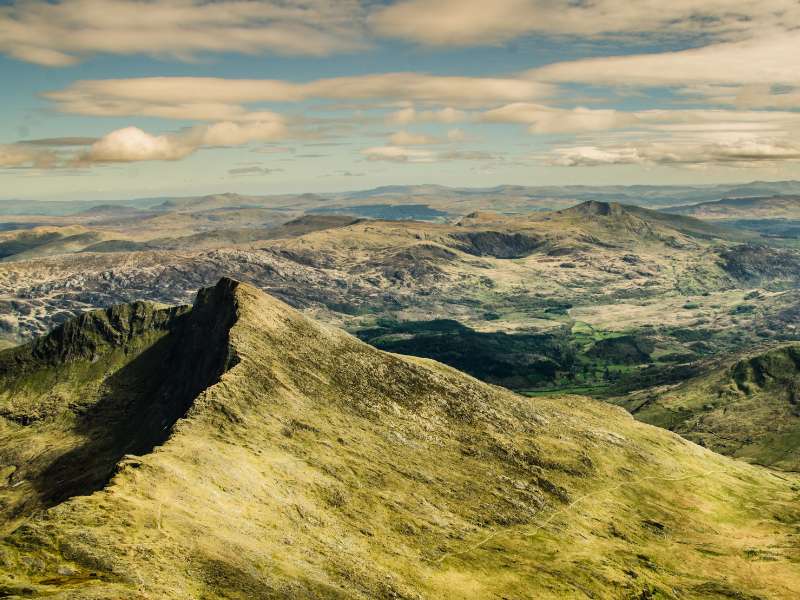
(238,449)
(770,207)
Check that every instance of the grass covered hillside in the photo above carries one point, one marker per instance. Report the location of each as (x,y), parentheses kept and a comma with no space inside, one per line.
(242,450)
(748,408)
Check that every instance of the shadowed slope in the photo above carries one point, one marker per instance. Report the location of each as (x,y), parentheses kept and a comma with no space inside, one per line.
(107,384)
(320,467)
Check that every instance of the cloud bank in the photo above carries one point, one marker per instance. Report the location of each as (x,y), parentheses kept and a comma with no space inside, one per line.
(58,34)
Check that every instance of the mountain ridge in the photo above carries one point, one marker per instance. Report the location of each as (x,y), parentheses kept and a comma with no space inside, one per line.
(316,466)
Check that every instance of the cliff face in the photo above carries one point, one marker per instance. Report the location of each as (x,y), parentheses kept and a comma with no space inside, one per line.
(242,450)
(101,386)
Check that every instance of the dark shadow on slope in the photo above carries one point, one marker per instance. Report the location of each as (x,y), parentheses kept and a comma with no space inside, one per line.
(498,244)
(142,401)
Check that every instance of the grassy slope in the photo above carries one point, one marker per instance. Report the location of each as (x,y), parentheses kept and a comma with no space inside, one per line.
(321,467)
(748,408)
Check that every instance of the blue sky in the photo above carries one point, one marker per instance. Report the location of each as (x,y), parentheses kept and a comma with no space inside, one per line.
(119,98)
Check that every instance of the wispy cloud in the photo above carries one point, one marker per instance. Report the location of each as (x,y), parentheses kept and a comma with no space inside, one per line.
(735,154)
(23,156)
(202,98)
(58,142)
(403,154)
(473,22)
(64,32)
(404,138)
(448,114)
(768,60)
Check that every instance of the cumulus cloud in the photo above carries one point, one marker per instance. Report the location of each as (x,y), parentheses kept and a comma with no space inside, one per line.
(61,33)
(208,98)
(131,144)
(468,22)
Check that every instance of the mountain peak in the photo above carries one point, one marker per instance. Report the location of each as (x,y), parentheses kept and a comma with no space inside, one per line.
(597,208)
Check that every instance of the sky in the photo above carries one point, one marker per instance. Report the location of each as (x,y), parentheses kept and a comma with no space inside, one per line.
(107,99)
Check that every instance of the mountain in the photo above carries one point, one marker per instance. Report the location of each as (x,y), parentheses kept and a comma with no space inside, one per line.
(771,207)
(748,408)
(455,201)
(238,449)
(645,223)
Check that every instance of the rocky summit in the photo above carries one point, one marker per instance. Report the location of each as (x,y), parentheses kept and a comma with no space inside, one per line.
(239,449)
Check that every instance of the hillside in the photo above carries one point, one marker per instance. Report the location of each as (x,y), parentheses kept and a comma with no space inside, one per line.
(770,207)
(748,408)
(238,449)
(47,241)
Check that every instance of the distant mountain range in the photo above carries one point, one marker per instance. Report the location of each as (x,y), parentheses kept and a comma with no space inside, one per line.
(507,198)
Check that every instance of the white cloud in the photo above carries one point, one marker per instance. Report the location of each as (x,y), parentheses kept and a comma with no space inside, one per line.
(747,95)
(548,119)
(469,22)
(768,60)
(132,144)
(62,33)
(237,134)
(207,98)
(744,153)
